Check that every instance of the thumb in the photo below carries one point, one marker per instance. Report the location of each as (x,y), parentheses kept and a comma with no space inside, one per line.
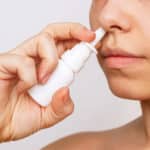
(60,107)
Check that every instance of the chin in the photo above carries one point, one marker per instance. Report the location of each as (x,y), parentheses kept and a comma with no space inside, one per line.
(129,90)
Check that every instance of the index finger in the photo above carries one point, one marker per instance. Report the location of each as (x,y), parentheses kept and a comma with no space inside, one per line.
(66,31)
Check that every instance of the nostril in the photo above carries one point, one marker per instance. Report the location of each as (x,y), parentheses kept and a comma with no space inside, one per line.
(115,27)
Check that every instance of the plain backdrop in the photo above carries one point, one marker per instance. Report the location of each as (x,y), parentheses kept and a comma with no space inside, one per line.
(95,107)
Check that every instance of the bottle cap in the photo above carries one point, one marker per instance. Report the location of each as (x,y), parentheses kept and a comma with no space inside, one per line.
(78,55)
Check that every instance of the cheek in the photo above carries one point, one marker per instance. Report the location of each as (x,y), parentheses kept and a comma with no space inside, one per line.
(134,82)
(145,38)
(141,26)
(131,83)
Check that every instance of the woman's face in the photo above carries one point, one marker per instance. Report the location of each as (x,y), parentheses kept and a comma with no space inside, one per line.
(125,51)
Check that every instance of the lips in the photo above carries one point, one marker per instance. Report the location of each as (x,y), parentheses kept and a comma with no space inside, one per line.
(116,53)
(118,58)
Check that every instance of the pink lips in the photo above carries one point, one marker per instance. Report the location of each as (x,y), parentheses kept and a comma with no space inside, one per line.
(118,58)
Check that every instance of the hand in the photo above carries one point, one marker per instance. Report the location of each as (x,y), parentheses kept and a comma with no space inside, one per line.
(30,63)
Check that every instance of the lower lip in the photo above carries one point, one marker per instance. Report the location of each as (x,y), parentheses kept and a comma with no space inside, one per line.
(121,61)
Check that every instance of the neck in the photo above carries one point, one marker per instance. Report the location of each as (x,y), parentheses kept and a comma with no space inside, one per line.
(146,118)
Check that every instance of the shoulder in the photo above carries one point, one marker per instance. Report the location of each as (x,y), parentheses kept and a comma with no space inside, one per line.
(80,141)
(99,140)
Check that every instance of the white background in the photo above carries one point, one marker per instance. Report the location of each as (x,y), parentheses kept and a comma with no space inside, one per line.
(95,107)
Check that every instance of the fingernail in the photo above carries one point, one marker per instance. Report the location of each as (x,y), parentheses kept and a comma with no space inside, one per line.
(66,98)
(67,105)
(88,30)
(90,34)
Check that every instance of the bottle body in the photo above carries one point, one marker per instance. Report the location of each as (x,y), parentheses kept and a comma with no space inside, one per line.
(71,62)
(62,76)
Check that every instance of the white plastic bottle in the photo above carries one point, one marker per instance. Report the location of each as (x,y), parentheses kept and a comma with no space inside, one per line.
(70,63)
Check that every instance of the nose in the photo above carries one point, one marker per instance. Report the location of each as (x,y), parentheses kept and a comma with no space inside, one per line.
(113,17)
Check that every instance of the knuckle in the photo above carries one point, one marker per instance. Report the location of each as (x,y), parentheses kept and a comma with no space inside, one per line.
(30,81)
(42,36)
(28,61)
(64,112)
(48,31)
(56,115)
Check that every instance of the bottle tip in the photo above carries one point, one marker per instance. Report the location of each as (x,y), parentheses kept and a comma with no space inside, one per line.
(99,35)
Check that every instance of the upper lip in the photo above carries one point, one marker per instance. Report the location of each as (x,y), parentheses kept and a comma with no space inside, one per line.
(116,52)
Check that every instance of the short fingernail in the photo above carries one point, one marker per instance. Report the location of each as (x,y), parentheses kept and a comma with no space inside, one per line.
(66,98)
(90,34)
(88,30)
(68,105)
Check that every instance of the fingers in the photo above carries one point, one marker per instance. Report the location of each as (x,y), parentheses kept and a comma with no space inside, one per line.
(47,52)
(42,48)
(64,31)
(60,107)
(23,67)
(66,35)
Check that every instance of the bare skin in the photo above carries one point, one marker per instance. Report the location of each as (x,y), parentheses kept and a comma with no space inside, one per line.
(128,137)
(132,136)
(28,64)
(127,26)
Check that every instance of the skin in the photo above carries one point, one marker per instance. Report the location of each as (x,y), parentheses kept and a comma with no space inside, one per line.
(127,27)
(30,63)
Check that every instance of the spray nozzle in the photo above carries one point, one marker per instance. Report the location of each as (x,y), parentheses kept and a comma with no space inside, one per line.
(78,55)
(99,34)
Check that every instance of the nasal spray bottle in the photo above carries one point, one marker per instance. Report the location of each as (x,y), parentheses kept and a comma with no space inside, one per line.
(70,63)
